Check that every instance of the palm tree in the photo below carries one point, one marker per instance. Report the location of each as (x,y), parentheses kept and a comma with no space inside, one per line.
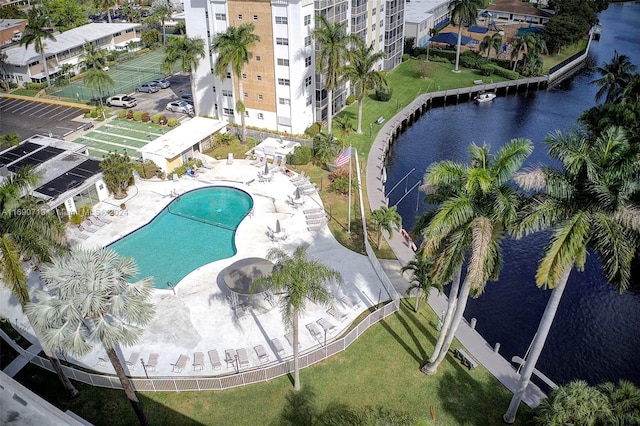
(187,52)
(92,57)
(345,126)
(36,236)
(8,140)
(588,206)
(624,400)
(325,148)
(421,281)
(89,299)
(615,77)
(66,69)
(576,403)
(36,33)
(298,280)
(478,205)
(100,81)
(162,9)
(463,14)
(3,79)
(362,74)
(383,220)
(433,33)
(332,54)
(106,5)
(490,42)
(234,50)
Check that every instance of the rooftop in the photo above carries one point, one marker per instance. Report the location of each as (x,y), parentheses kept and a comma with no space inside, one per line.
(417,11)
(176,141)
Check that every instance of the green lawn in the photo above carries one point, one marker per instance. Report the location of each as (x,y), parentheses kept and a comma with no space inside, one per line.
(380,369)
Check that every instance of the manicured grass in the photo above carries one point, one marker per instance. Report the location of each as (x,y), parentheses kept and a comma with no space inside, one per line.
(379,369)
(552,60)
(25,92)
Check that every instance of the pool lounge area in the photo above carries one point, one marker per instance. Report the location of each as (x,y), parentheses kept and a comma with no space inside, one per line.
(196,315)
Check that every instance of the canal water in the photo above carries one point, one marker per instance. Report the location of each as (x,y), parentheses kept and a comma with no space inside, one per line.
(595,334)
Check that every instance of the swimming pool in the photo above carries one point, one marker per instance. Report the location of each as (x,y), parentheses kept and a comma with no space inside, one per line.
(194,229)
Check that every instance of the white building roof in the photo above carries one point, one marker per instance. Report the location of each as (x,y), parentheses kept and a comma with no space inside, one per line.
(19,56)
(8,23)
(178,140)
(416,11)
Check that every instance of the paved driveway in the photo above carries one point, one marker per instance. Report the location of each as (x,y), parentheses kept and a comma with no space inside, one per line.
(28,118)
(157,102)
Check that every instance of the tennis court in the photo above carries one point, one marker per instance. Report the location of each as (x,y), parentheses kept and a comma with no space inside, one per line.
(126,76)
(121,136)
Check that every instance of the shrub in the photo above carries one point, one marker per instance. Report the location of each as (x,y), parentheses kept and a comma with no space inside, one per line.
(340,180)
(486,69)
(76,218)
(439,59)
(511,75)
(422,57)
(122,114)
(351,99)
(314,129)
(94,113)
(35,86)
(137,116)
(301,155)
(145,117)
(384,94)
(146,169)
(471,59)
(173,122)
(130,114)
(405,57)
(163,120)
(222,139)
(155,118)
(13,85)
(183,169)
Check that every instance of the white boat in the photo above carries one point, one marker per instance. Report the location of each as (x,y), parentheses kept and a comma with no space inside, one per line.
(484,97)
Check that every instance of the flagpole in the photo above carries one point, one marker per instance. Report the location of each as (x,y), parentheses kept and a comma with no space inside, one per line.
(349,217)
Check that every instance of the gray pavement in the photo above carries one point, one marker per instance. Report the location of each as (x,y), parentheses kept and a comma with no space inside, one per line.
(468,337)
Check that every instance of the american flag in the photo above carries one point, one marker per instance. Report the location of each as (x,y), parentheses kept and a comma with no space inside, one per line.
(344,157)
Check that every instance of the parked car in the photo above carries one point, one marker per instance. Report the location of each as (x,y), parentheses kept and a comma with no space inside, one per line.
(148,87)
(163,83)
(187,97)
(180,106)
(124,101)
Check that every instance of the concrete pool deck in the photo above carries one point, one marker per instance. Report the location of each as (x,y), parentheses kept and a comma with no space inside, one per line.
(196,316)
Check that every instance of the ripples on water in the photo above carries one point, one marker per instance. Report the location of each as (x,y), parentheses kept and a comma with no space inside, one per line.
(594,335)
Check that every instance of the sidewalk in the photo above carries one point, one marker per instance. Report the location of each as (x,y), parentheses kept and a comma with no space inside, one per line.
(468,337)
(20,361)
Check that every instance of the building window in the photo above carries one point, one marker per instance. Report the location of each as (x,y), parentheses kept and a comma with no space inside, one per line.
(373,27)
(307,20)
(259,78)
(228,93)
(246,113)
(258,58)
(282,20)
(373,12)
(307,81)
(307,41)
(221,16)
(228,75)
(227,111)
(239,17)
(309,99)
(284,101)
(246,95)
(244,76)
(214,89)
(260,116)
(260,97)
(307,61)
(282,41)
(283,82)
(283,62)
(255,17)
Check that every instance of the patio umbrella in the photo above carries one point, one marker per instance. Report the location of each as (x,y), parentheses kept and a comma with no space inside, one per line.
(278,226)
(266,167)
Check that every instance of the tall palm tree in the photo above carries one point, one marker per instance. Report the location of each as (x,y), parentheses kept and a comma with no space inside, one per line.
(234,50)
(345,126)
(36,33)
(588,205)
(463,14)
(92,57)
(433,33)
(615,76)
(524,44)
(383,220)
(187,52)
(478,205)
(421,281)
(66,69)
(90,299)
(362,74)
(37,236)
(491,42)
(162,9)
(4,83)
(106,5)
(100,81)
(332,54)
(298,280)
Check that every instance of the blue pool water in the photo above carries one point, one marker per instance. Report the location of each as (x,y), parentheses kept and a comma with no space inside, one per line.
(195,229)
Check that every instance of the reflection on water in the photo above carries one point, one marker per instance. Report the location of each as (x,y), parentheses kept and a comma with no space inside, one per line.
(594,335)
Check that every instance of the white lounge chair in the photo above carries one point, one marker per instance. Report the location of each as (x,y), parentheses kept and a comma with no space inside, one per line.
(152,362)
(263,356)
(243,357)
(277,345)
(337,313)
(230,357)
(198,361)
(94,221)
(180,364)
(350,303)
(326,325)
(133,360)
(214,359)
(314,330)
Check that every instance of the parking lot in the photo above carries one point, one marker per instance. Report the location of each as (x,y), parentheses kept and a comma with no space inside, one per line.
(156,102)
(27,118)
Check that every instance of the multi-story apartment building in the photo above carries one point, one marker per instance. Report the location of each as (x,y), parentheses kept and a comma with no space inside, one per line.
(423,15)
(281,88)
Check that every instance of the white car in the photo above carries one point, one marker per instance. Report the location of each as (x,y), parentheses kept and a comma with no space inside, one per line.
(124,101)
(180,106)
